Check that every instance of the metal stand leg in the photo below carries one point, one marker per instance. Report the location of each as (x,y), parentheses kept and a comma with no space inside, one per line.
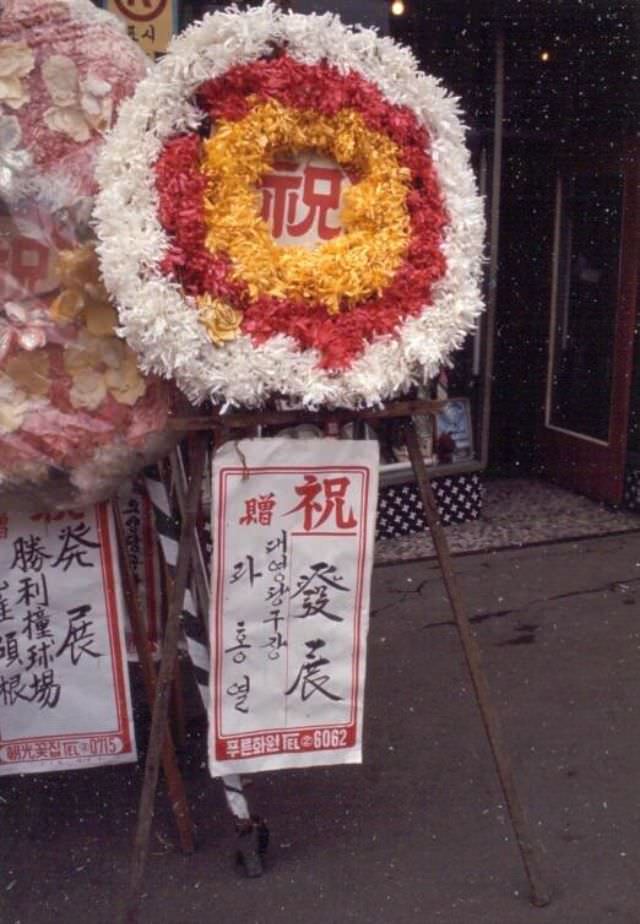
(163,688)
(538,891)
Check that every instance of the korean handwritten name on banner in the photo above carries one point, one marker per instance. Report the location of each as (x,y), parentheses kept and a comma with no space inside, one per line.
(141,549)
(293,531)
(64,689)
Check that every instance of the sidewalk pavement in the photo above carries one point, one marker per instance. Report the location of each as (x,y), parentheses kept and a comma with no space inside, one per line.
(419,832)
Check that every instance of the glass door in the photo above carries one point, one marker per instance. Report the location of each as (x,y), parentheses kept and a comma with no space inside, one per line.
(590,347)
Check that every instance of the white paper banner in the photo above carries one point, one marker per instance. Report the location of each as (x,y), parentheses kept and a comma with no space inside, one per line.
(293,534)
(64,686)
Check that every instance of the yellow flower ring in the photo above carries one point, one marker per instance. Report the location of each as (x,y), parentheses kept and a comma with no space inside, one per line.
(375,220)
(205,293)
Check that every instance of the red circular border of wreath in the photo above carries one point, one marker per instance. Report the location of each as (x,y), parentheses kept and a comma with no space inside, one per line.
(322,88)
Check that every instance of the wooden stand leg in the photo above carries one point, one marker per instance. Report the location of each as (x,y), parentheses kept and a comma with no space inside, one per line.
(177,710)
(538,892)
(163,687)
(177,717)
(169,764)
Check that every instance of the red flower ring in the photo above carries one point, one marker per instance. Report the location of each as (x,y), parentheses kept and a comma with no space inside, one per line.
(321,88)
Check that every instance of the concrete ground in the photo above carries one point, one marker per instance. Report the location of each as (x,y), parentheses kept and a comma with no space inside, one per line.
(419,832)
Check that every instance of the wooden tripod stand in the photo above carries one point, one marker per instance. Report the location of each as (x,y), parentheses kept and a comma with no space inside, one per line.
(231,426)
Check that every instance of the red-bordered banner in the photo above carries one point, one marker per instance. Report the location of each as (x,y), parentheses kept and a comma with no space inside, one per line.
(64,686)
(293,524)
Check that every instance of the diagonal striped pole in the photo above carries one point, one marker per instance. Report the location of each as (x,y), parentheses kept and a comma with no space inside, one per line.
(168,525)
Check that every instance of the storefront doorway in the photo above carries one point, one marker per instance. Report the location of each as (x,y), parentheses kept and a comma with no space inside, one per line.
(594,282)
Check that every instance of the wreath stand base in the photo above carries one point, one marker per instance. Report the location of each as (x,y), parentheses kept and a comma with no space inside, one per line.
(230,426)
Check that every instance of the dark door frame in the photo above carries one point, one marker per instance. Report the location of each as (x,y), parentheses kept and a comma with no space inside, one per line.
(592,467)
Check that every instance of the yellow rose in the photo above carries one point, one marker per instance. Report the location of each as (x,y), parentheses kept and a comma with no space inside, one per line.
(100,366)
(222,322)
(125,382)
(83,294)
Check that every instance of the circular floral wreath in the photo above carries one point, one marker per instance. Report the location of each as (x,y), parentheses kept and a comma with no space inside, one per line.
(206,295)
(76,416)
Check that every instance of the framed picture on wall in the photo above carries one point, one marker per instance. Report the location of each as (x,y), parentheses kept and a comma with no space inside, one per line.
(454,433)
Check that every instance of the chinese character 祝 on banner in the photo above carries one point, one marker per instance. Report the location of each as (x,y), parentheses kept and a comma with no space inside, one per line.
(301,199)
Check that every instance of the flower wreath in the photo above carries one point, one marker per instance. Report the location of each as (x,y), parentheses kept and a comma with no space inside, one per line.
(76,415)
(206,295)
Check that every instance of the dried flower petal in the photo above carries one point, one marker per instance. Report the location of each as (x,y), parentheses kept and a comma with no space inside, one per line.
(10,133)
(30,372)
(77,267)
(14,161)
(60,76)
(126,384)
(89,389)
(85,352)
(100,318)
(13,406)
(80,105)
(67,306)
(95,86)
(16,59)
(70,121)
(83,296)
(31,337)
(11,417)
(12,92)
